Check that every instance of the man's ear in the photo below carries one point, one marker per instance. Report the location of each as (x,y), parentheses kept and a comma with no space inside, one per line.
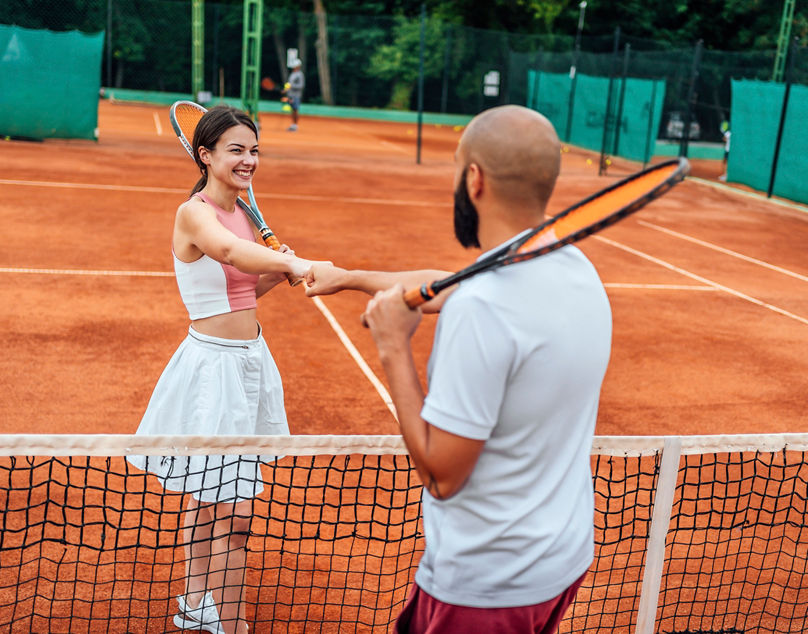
(474,181)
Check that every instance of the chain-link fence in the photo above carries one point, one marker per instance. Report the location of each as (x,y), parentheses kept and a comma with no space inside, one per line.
(373,61)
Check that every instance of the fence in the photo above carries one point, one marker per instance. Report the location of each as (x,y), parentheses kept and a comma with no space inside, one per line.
(373,62)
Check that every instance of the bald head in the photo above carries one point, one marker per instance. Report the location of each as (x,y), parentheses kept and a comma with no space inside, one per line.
(518,151)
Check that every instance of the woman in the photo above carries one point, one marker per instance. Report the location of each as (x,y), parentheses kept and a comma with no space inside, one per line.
(222,378)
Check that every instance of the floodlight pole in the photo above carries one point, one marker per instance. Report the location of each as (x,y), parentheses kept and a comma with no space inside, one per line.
(197,47)
(251,56)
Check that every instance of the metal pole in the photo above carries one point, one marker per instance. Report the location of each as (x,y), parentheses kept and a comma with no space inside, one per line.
(786,95)
(445,92)
(574,68)
(109,43)
(691,97)
(421,84)
(650,130)
(607,115)
(622,100)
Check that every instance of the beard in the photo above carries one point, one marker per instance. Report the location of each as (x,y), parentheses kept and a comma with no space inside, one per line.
(466,218)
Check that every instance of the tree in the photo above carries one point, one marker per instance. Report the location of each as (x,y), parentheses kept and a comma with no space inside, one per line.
(399,60)
(323,66)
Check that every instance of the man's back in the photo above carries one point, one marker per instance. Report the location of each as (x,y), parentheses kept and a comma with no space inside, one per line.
(518,361)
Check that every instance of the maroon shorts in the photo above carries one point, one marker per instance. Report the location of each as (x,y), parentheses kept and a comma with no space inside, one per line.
(424,614)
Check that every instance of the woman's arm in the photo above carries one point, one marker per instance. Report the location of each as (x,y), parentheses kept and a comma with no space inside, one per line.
(326,280)
(198,230)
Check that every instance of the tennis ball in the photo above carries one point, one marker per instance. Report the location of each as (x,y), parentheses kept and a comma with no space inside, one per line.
(410,132)
(565,149)
(458,128)
(589,161)
(8,138)
(608,162)
(287,108)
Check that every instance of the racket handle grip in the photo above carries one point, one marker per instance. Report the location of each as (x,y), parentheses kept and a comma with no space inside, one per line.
(413,298)
(271,240)
(417,296)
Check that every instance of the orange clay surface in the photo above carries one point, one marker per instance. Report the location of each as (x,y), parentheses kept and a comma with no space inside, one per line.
(708,285)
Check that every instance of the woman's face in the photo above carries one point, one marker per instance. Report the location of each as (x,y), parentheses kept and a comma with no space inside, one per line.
(235,158)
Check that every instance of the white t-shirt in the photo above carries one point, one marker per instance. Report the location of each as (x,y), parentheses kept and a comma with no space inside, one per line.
(518,361)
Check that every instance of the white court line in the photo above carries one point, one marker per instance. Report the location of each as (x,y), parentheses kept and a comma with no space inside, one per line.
(87,272)
(662,287)
(157,124)
(745,194)
(703,280)
(320,305)
(176,190)
(335,325)
(360,361)
(121,188)
(715,247)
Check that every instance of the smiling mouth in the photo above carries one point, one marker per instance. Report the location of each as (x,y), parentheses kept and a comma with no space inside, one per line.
(243,173)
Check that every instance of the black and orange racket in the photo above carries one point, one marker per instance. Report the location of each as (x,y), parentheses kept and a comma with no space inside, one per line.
(184,116)
(589,216)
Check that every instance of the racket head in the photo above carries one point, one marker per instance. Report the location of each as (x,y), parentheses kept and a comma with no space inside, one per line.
(598,211)
(184,116)
(268,84)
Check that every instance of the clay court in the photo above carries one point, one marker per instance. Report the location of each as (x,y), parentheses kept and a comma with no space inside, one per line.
(707,284)
(708,291)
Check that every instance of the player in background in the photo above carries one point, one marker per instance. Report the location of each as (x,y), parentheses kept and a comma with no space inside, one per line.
(294,92)
(502,437)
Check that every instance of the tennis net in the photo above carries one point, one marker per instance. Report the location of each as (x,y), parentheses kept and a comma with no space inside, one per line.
(693,534)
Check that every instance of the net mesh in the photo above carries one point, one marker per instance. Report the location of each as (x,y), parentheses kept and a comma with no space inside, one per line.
(90,543)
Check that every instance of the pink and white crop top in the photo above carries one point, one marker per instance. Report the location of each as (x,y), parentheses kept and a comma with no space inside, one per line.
(208,287)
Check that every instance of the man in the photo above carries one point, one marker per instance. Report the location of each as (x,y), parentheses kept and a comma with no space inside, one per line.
(502,439)
(294,92)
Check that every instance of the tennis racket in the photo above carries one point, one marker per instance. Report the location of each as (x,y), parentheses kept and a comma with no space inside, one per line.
(589,216)
(184,116)
(269,85)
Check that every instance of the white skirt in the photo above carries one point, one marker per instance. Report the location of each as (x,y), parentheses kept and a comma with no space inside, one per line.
(213,386)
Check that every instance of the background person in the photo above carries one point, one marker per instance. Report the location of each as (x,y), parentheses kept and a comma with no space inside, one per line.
(294,92)
(502,439)
(222,378)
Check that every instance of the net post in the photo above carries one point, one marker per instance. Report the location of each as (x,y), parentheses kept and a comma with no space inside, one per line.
(660,521)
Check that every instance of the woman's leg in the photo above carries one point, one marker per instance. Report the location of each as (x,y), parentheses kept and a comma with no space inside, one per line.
(231,528)
(197,533)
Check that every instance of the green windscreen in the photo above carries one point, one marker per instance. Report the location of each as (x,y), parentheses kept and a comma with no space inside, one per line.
(49,83)
(757,107)
(634,107)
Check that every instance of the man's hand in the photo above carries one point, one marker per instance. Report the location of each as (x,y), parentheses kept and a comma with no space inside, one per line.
(324,279)
(392,323)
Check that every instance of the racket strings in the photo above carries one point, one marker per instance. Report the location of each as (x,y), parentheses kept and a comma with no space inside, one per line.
(187,117)
(600,209)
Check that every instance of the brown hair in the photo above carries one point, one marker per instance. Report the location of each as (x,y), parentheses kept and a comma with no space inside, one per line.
(213,124)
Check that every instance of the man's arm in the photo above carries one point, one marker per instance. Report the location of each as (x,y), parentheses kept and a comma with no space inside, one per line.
(443,460)
(325,280)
